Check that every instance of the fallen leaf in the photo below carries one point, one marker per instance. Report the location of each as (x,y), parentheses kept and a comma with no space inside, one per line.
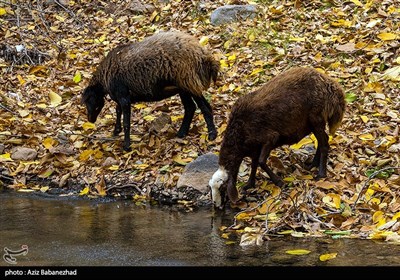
(85,191)
(55,99)
(298,252)
(326,257)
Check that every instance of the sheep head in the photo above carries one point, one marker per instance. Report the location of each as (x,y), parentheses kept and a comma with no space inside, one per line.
(222,187)
(93,98)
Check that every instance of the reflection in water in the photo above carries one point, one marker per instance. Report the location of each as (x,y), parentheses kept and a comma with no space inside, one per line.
(90,233)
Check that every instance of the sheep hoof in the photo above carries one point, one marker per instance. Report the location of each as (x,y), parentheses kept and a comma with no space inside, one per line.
(127,148)
(212,135)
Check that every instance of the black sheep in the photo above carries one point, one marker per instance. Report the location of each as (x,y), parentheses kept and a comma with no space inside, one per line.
(290,106)
(158,67)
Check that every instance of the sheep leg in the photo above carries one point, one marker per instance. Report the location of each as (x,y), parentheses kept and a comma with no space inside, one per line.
(252,178)
(189,107)
(316,160)
(265,151)
(206,109)
(323,147)
(118,128)
(126,112)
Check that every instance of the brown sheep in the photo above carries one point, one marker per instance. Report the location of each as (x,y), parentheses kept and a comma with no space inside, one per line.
(158,67)
(290,106)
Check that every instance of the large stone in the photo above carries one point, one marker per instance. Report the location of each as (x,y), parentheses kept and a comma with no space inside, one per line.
(22,153)
(198,173)
(231,13)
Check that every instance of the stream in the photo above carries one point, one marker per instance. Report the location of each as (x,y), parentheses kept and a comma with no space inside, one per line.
(80,232)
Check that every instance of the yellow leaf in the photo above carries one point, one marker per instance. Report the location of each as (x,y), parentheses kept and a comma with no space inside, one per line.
(21,80)
(289,179)
(332,200)
(114,167)
(379,218)
(364,119)
(232,57)
(223,63)
(357,2)
(366,137)
(284,232)
(386,36)
(326,257)
(380,234)
(256,71)
(77,78)
(227,44)
(396,216)
(252,37)
(55,99)
(140,106)
(297,39)
(23,113)
(204,40)
(176,118)
(37,68)
(225,235)
(48,142)
(98,154)
(149,118)
(242,216)
(301,143)
(141,166)
(5,157)
(341,22)
(88,125)
(2,11)
(85,191)
(179,160)
(298,252)
(41,105)
(44,189)
(84,156)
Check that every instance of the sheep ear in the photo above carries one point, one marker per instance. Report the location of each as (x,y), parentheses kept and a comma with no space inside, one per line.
(232,190)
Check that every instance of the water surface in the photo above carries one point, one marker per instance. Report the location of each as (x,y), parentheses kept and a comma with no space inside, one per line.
(76,232)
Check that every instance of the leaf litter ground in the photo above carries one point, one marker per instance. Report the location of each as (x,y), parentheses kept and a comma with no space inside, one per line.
(50,50)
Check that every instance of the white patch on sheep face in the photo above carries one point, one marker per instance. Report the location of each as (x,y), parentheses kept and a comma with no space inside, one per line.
(219,177)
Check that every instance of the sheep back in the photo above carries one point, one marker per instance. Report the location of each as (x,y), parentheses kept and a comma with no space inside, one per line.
(286,104)
(165,59)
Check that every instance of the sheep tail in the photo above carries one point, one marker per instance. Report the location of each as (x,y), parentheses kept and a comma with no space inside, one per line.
(209,71)
(214,69)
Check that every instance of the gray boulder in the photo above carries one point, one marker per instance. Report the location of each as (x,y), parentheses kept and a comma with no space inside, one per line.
(198,173)
(231,13)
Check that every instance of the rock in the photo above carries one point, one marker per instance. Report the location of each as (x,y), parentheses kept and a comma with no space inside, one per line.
(137,7)
(22,153)
(231,13)
(198,173)
(2,147)
(109,161)
(161,123)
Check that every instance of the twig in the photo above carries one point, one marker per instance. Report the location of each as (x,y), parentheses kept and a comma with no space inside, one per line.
(5,108)
(367,181)
(125,186)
